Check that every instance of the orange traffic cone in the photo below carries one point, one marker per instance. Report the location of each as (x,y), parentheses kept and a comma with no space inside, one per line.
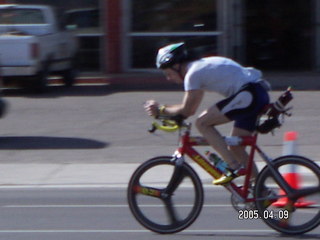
(292,177)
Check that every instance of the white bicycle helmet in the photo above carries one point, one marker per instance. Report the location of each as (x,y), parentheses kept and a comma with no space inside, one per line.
(171,55)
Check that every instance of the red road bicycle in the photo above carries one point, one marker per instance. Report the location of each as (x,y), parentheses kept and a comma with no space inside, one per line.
(165,194)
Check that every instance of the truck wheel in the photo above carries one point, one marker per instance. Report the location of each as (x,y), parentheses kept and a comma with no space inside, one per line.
(42,79)
(69,77)
(41,83)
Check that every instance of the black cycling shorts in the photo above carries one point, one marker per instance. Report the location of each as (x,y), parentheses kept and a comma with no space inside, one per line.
(244,106)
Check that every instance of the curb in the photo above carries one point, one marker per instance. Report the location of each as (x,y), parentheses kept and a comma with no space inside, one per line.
(278,80)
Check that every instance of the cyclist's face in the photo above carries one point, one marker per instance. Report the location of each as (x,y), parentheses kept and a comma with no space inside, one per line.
(172,75)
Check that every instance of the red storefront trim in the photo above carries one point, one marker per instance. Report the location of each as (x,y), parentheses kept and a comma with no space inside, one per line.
(113,36)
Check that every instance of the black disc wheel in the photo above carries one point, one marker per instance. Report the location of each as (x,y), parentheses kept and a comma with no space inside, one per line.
(295,211)
(165,196)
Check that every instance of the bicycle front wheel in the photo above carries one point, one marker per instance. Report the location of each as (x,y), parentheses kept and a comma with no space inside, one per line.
(164,196)
(295,214)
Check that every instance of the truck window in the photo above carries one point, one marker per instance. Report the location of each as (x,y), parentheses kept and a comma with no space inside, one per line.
(21,16)
(83,18)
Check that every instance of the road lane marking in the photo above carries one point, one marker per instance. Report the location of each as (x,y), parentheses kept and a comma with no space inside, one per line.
(113,186)
(65,206)
(107,206)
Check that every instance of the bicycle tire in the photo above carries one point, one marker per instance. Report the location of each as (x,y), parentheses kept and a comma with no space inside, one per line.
(169,194)
(272,203)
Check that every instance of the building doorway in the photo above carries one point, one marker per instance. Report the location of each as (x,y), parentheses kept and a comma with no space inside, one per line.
(279,34)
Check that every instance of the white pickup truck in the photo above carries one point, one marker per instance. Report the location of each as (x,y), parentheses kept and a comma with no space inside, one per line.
(35,44)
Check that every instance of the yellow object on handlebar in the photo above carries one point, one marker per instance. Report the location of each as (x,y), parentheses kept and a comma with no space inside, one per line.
(166,126)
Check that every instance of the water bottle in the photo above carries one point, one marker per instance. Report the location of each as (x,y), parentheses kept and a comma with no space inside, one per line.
(279,105)
(217,161)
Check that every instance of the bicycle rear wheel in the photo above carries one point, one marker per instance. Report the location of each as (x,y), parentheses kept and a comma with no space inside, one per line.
(295,214)
(164,196)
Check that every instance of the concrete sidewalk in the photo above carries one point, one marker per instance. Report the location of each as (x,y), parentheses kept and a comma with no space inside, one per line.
(76,175)
(64,175)
(80,175)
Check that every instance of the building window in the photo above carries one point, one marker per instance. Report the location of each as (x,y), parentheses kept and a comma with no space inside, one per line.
(155,23)
(280,35)
(86,22)
(83,16)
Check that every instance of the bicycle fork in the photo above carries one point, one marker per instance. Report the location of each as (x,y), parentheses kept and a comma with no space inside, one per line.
(177,175)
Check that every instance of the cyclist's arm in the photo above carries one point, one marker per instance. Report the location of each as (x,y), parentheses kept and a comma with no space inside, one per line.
(189,105)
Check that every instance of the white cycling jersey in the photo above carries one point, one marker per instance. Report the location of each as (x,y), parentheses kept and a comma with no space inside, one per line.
(219,74)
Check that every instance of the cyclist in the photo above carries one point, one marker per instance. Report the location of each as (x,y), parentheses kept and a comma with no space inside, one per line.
(245,94)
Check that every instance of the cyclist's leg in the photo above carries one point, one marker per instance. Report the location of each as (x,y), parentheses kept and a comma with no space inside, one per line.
(245,121)
(242,109)
(232,108)
(205,124)
(240,151)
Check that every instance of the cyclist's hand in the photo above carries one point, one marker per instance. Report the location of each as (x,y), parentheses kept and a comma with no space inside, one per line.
(152,108)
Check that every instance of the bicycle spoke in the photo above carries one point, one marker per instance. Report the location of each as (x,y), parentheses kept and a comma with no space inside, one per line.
(286,221)
(172,214)
(306,192)
(149,191)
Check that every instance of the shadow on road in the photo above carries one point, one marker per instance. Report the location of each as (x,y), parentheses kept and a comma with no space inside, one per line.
(43,142)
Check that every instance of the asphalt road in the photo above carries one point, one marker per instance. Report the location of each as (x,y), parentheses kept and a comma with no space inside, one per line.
(102,213)
(100,124)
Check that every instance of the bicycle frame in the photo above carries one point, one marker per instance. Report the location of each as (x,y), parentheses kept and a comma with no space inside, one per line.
(274,187)
(186,147)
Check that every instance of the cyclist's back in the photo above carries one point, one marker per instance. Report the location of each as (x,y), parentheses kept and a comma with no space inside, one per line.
(219,74)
